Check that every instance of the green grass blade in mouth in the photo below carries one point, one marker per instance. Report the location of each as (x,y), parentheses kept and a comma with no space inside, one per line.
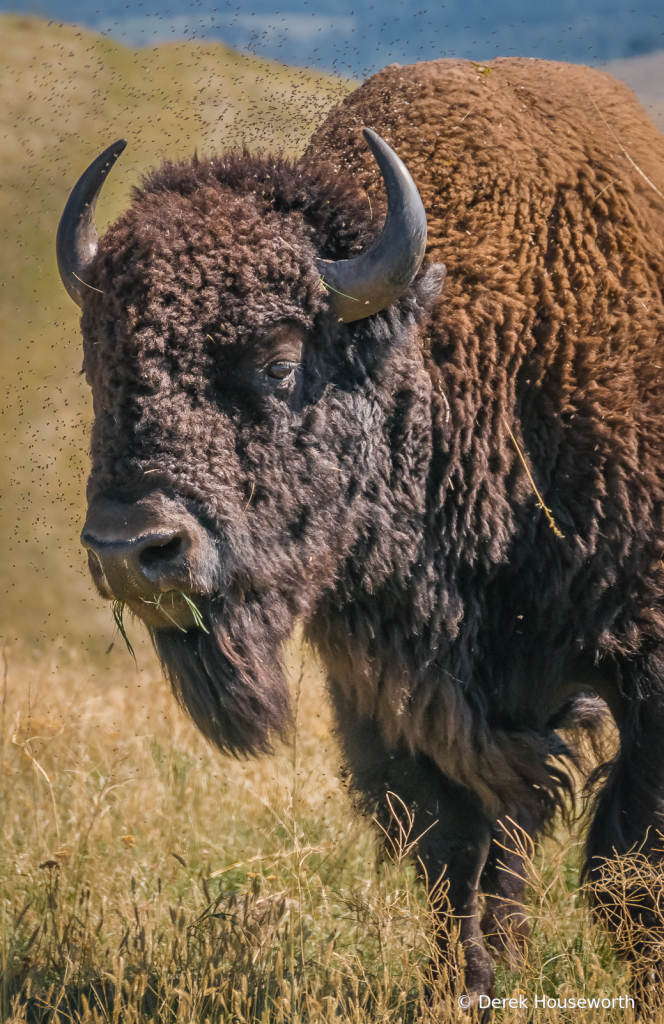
(118,611)
(159,608)
(197,617)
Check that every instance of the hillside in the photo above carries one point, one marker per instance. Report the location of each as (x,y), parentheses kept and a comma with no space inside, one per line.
(359,38)
(66,94)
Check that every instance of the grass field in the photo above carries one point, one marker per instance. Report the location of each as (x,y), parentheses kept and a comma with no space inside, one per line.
(143,877)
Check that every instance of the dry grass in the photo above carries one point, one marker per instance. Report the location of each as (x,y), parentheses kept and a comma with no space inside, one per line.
(145,878)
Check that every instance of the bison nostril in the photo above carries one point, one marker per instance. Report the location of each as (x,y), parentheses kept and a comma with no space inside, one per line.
(157,555)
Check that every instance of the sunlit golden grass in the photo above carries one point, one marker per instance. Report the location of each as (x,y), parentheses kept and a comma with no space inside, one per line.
(146,878)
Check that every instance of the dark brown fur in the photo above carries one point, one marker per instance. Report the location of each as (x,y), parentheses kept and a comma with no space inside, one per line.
(382,498)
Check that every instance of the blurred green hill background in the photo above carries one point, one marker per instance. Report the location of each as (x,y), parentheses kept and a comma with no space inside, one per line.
(65,94)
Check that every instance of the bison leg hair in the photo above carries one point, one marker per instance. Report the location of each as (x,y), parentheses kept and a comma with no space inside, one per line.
(505,921)
(414,803)
(625,846)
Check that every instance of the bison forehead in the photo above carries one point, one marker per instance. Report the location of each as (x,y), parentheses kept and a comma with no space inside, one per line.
(211,262)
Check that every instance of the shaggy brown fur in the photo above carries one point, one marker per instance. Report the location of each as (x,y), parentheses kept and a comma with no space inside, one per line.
(380,494)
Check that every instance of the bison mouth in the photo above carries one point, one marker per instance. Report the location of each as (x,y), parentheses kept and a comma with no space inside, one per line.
(151,553)
(170,609)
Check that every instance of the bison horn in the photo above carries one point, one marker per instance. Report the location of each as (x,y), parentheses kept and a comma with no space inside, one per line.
(77,239)
(376,279)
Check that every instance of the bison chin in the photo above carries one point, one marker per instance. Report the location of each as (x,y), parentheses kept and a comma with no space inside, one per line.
(234,690)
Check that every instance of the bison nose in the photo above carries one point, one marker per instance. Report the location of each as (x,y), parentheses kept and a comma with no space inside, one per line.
(141,567)
(141,549)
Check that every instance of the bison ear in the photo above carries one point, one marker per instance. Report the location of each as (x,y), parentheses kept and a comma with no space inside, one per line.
(428,289)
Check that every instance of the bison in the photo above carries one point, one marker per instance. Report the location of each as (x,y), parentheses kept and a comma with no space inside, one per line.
(459,490)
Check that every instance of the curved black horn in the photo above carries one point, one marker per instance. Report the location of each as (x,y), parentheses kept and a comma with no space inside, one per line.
(376,279)
(77,239)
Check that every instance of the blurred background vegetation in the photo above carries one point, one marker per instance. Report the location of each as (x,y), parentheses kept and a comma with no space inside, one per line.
(357,37)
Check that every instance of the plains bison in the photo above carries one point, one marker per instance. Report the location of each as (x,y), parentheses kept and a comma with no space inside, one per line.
(461,494)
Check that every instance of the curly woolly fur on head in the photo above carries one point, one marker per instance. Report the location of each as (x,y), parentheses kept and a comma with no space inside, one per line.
(192,280)
(381,497)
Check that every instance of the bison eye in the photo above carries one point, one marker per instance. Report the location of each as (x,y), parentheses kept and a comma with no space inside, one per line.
(280,371)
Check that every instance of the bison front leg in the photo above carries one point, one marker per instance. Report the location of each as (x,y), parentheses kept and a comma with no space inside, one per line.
(505,921)
(414,803)
(625,848)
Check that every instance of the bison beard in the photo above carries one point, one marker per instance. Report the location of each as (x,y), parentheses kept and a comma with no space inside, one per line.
(229,680)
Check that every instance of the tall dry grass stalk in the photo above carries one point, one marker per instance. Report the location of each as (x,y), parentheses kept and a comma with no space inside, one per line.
(146,878)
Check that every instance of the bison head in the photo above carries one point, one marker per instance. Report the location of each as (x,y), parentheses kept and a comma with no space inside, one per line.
(239,363)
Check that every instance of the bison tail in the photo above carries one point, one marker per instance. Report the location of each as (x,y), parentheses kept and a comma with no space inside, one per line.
(589,731)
